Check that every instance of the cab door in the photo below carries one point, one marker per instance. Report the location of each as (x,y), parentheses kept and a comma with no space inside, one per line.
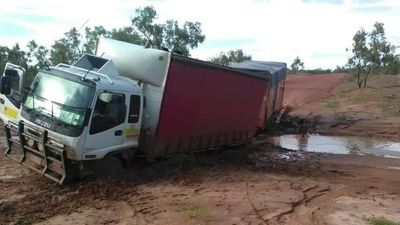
(106,125)
(10,103)
(132,129)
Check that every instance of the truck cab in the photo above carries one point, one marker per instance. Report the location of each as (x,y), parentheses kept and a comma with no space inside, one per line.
(71,114)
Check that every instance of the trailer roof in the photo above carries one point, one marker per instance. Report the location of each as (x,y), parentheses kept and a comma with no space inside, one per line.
(276,71)
(265,66)
(238,71)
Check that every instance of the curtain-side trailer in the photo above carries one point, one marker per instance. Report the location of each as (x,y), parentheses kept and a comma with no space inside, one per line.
(195,104)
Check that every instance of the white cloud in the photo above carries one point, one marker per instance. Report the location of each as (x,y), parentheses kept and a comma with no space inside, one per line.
(318,33)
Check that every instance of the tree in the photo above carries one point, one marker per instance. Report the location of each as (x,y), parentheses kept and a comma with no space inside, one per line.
(297,65)
(379,48)
(230,57)
(168,35)
(17,56)
(341,69)
(361,63)
(67,49)
(392,64)
(372,53)
(127,34)
(37,56)
(73,44)
(92,36)
(3,56)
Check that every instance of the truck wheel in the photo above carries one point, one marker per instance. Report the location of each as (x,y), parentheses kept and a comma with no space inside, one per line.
(74,174)
(107,166)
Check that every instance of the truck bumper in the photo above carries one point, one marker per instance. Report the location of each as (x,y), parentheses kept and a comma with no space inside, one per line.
(35,152)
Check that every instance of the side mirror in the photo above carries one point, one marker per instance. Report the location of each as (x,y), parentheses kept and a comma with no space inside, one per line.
(5,85)
(15,72)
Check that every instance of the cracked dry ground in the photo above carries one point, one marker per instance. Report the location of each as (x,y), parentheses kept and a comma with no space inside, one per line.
(252,185)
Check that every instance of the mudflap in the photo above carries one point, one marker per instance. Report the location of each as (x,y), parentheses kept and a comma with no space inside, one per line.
(38,155)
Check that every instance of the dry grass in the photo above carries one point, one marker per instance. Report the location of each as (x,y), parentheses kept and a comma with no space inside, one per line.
(382,90)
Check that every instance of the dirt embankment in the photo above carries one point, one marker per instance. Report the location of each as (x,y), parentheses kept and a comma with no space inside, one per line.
(334,106)
(304,89)
(258,184)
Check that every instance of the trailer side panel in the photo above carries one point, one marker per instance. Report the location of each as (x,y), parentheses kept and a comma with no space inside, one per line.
(205,107)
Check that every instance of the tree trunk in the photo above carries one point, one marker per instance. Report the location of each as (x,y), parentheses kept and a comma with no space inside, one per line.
(359,82)
(366,76)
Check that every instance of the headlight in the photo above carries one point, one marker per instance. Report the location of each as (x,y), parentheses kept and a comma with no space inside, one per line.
(40,147)
(30,142)
(70,152)
(56,143)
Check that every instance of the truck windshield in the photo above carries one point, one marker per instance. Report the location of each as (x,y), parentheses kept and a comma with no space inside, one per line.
(62,99)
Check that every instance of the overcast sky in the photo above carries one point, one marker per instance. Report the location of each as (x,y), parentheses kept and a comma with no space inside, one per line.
(318,31)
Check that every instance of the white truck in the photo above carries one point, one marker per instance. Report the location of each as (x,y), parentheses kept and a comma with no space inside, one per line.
(126,100)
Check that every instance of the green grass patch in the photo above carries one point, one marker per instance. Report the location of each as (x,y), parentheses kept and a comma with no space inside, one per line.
(197,212)
(380,221)
(333,104)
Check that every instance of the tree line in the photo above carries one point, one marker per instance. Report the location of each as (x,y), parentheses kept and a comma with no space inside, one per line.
(371,53)
(144,30)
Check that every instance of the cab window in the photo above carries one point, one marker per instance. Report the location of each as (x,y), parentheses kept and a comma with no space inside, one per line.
(134,109)
(15,95)
(109,112)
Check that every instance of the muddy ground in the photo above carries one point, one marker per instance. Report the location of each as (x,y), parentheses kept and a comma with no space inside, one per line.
(258,184)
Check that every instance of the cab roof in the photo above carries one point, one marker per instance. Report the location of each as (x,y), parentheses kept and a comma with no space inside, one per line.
(101,81)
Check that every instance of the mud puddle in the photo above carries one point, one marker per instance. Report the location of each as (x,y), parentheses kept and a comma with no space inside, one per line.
(339,145)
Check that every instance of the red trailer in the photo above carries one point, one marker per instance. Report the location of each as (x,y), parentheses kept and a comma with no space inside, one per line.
(205,105)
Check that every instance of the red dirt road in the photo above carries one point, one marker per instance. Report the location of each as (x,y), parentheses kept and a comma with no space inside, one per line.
(307,88)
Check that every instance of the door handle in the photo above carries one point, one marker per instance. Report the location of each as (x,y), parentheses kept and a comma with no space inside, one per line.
(118,133)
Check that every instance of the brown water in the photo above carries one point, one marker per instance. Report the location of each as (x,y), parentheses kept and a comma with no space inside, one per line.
(339,145)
